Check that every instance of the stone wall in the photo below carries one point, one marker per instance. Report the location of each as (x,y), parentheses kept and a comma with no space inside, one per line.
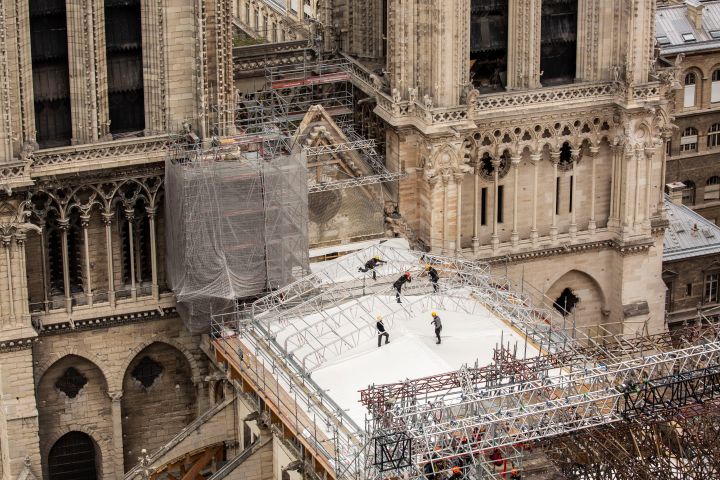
(153,414)
(87,410)
(148,417)
(18,414)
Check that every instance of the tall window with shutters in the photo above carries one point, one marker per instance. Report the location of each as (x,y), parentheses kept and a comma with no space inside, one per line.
(712,188)
(713,138)
(715,87)
(689,96)
(689,140)
(711,287)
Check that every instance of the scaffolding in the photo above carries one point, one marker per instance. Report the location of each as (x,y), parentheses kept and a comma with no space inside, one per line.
(295,330)
(238,220)
(461,417)
(476,417)
(234,227)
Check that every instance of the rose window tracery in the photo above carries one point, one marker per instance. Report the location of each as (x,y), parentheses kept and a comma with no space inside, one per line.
(487,169)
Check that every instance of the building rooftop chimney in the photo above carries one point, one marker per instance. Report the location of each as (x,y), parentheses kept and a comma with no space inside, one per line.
(674,191)
(695,12)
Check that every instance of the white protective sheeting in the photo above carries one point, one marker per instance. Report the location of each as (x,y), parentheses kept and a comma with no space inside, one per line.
(236,227)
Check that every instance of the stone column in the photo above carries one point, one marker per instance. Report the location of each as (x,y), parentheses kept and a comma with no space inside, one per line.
(444,42)
(84,222)
(84,88)
(494,240)
(458,218)
(446,182)
(107,220)
(22,308)
(476,210)
(63,225)
(535,159)
(637,213)
(555,158)
(592,226)
(624,200)
(6,130)
(523,44)
(7,244)
(514,237)
(573,192)
(649,155)
(152,213)
(152,20)
(614,218)
(130,217)
(666,137)
(117,433)
(43,260)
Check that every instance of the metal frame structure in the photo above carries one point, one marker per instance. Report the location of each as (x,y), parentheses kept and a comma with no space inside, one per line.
(338,296)
(645,380)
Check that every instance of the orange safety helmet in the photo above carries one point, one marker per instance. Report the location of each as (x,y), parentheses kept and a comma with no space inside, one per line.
(407,274)
(456,469)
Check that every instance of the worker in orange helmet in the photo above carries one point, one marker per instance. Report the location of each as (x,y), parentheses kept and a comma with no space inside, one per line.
(514,474)
(456,473)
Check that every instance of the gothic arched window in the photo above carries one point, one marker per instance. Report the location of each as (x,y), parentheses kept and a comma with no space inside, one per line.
(73,458)
(489,44)
(123,44)
(51,77)
(558,41)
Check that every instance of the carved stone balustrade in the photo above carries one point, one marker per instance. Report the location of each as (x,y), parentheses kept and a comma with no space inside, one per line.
(98,156)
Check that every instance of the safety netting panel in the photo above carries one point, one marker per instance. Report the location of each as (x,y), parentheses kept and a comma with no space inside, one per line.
(235,229)
(346,215)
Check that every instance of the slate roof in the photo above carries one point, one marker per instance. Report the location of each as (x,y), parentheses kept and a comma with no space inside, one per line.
(673,22)
(688,234)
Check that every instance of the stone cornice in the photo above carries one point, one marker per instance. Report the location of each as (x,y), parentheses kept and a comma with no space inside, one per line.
(108,321)
(623,249)
(18,344)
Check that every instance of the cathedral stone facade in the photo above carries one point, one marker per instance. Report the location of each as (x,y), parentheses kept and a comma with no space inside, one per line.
(533,134)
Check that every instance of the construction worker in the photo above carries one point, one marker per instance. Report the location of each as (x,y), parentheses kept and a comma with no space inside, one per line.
(515,474)
(399,284)
(455,473)
(371,264)
(434,277)
(428,471)
(438,326)
(381,331)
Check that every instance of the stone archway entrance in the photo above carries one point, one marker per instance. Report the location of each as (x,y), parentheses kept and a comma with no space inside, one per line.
(73,458)
(576,294)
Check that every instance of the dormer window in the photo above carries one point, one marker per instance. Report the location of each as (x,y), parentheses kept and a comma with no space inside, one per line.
(663,40)
(688,37)
(715,34)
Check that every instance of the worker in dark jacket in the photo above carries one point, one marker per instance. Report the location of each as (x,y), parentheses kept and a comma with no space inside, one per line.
(381,331)
(371,264)
(399,284)
(434,277)
(438,326)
